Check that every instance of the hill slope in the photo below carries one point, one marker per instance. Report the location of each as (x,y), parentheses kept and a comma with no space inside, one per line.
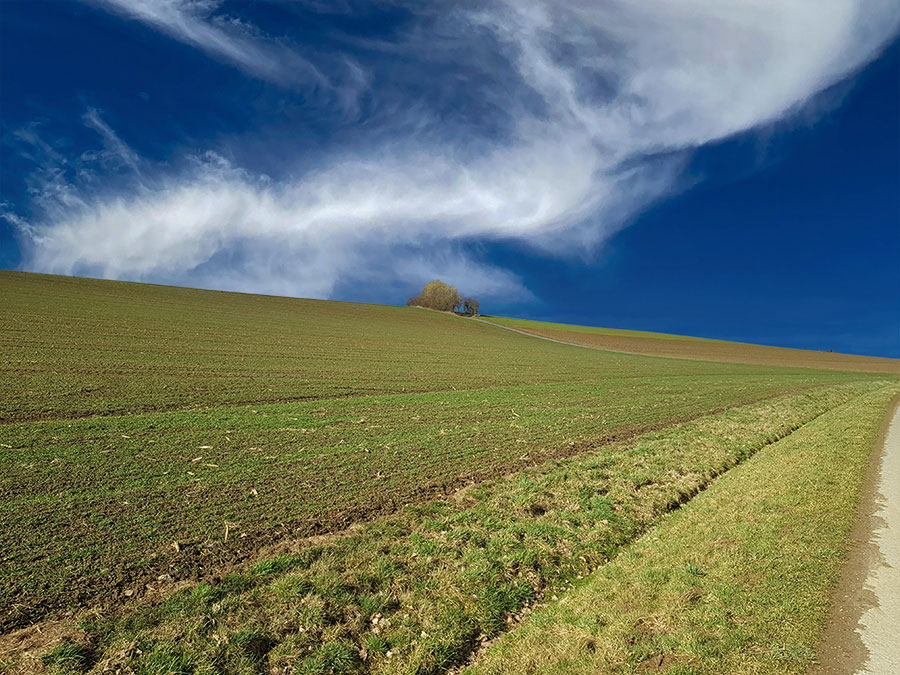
(75,347)
(684,347)
(152,433)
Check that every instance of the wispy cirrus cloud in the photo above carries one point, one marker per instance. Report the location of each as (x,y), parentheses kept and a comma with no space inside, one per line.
(602,104)
(115,150)
(197,23)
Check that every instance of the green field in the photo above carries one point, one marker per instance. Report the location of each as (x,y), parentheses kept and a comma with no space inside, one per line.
(76,348)
(698,349)
(156,437)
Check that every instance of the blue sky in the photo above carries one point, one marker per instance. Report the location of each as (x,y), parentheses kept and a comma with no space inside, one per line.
(728,170)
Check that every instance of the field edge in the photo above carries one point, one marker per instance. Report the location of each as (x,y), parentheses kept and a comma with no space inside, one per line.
(654,607)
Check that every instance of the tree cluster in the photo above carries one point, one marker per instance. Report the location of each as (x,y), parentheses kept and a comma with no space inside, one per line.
(444,298)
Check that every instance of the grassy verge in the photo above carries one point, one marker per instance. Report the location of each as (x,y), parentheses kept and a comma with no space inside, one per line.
(419,591)
(736,582)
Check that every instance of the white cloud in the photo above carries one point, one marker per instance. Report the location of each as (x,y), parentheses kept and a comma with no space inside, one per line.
(115,150)
(607,100)
(194,22)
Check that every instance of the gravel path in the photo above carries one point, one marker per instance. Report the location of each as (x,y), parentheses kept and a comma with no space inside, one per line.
(864,631)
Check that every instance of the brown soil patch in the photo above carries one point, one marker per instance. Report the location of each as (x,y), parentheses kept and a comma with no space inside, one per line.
(22,649)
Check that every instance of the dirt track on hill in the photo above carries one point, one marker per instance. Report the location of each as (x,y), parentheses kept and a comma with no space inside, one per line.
(862,629)
(711,350)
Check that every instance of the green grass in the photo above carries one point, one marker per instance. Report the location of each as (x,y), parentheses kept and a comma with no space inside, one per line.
(138,417)
(153,435)
(67,658)
(101,500)
(420,590)
(738,581)
(79,347)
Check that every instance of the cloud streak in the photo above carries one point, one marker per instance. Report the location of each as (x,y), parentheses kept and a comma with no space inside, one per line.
(603,104)
(195,22)
(115,150)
